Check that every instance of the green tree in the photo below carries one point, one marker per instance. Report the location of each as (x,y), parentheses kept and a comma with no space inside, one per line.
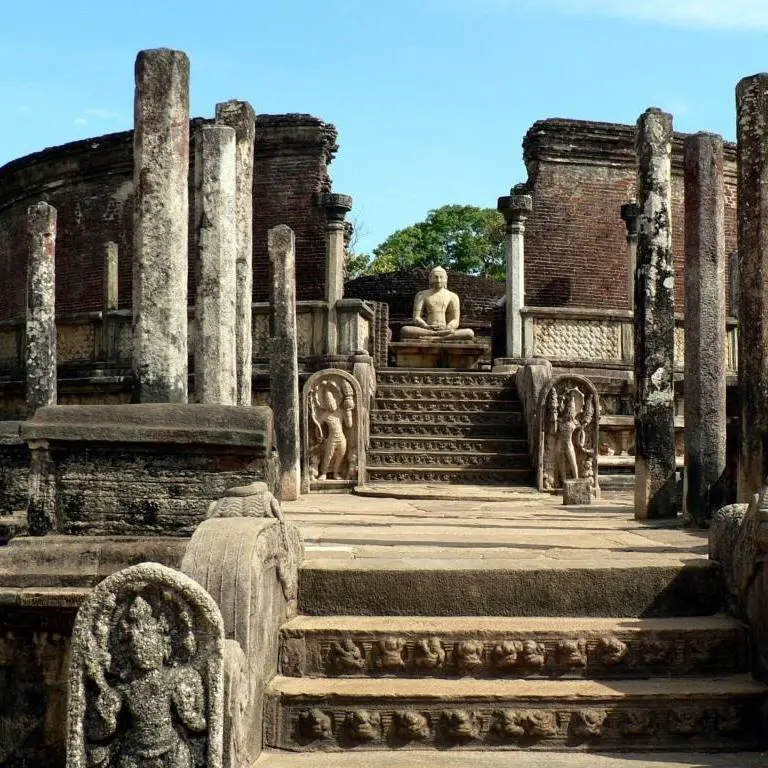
(459,237)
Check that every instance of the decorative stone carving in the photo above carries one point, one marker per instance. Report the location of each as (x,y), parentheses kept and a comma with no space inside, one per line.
(389,654)
(568,417)
(572,653)
(533,656)
(685,722)
(506,655)
(315,725)
(436,313)
(411,726)
(253,500)
(637,722)
(611,651)
(237,702)
(460,725)
(363,725)
(729,720)
(334,444)
(468,656)
(533,723)
(346,657)
(562,339)
(429,654)
(654,651)
(588,723)
(146,683)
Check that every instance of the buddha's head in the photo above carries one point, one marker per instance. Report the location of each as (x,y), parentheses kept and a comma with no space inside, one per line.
(438,278)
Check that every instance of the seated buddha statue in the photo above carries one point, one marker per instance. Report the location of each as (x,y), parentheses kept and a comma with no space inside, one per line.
(436,313)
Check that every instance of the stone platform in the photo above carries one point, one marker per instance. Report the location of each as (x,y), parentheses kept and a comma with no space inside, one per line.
(458,355)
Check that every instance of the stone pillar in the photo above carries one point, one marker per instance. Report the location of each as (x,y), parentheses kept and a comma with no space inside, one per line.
(629,213)
(41,307)
(336,207)
(704,327)
(216,253)
(160,226)
(109,328)
(284,367)
(752,195)
(515,209)
(241,116)
(654,321)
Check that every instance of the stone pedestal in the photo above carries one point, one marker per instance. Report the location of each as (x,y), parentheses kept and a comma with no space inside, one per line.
(704,328)
(515,209)
(629,214)
(577,492)
(41,307)
(284,369)
(423,354)
(336,206)
(655,488)
(161,221)
(241,116)
(752,169)
(216,246)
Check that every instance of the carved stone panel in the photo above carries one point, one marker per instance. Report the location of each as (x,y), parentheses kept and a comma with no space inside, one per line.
(333,430)
(568,418)
(146,680)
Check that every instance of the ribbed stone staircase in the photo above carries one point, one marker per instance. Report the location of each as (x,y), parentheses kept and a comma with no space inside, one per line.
(455,427)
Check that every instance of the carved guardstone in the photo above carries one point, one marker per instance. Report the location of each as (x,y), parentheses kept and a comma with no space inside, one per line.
(568,417)
(334,443)
(146,678)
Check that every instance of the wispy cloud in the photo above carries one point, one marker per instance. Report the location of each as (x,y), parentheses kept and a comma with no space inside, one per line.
(95,113)
(704,14)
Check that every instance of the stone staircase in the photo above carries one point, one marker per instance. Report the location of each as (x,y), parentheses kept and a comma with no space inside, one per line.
(448,426)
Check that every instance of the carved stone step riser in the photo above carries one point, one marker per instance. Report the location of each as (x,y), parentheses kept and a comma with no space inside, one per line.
(457,460)
(479,431)
(447,379)
(669,724)
(446,404)
(466,394)
(478,418)
(474,445)
(458,475)
(618,655)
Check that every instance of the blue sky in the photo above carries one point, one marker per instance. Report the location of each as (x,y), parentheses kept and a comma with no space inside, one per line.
(431,97)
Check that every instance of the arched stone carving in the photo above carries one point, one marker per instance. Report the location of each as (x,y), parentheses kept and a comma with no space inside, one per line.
(568,418)
(333,435)
(146,681)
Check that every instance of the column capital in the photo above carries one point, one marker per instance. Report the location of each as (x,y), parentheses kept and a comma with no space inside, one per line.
(337,206)
(629,213)
(515,208)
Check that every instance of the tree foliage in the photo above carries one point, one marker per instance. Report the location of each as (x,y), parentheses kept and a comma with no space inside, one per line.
(458,237)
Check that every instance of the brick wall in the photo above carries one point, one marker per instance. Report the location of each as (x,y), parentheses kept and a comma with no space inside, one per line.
(90,183)
(580,174)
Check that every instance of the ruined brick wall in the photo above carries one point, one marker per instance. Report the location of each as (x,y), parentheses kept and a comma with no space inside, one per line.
(90,183)
(580,174)
(478,295)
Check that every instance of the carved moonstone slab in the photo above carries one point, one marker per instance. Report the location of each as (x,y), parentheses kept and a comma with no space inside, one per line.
(146,683)
(568,414)
(334,444)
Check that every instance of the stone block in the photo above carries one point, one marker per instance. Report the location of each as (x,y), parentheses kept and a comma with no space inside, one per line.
(577,492)
(423,354)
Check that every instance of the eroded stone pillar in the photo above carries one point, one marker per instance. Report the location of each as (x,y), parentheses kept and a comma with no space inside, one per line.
(161,220)
(109,328)
(240,115)
(284,367)
(752,195)
(629,214)
(704,327)
(41,307)
(654,320)
(337,206)
(515,209)
(216,253)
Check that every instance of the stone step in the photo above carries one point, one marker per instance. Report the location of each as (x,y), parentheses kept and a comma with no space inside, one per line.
(445,405)
(466,393)
(332,714)
(457,444)
(474,758)
(451,459)
(434,378)
(428,427)
(403,473)
(648,585)
(447,417)
(507,647)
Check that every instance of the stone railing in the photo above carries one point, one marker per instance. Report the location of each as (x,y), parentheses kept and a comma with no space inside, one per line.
(574,335)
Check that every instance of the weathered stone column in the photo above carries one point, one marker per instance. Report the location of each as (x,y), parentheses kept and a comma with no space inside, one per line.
(241,116)
(109,329)
(160,225)
(752,195)
(704,326)
(515,209)
(336,206)
(654,321)
(41,307)
(216,253)
(284,366)
(629,213)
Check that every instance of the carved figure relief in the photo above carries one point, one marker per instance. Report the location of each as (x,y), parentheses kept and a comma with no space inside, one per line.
(346,657)
(572,653)
(429,654)
(315,725)
(363,725)
(468,656)
(334,415)
(532,723)
(411,726)
(506,654)
(460,725)
(146,683)
(611,651)
(568,417)
(533,656)
(588,723)
(389,654)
